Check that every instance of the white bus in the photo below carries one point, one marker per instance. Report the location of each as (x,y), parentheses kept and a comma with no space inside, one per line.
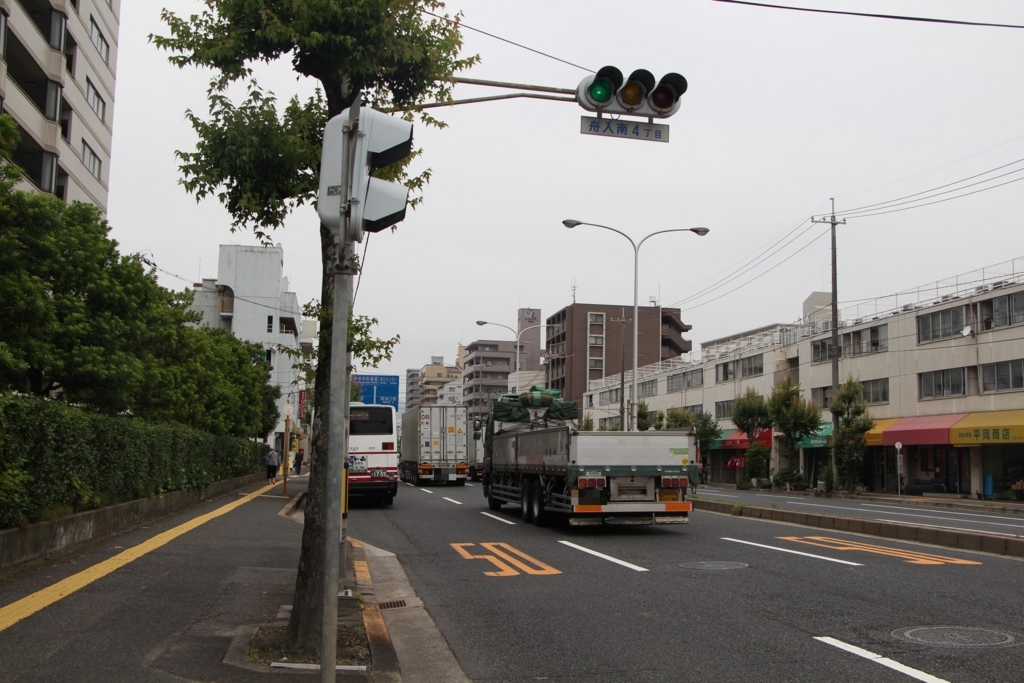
(373,452)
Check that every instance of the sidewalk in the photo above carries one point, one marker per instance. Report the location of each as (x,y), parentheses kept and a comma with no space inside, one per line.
(178,611)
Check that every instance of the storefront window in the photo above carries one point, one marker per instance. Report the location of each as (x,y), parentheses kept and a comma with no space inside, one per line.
(1003,472)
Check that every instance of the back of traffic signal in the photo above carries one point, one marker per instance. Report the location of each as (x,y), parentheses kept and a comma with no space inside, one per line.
(607,92)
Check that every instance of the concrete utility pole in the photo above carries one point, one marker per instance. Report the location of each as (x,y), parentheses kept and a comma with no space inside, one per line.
(836,350)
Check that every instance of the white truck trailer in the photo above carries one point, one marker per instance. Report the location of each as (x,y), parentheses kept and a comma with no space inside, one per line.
(592,477)
(435,447)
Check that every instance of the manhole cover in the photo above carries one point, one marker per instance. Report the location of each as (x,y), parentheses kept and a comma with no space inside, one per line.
(714,565)
(958,636)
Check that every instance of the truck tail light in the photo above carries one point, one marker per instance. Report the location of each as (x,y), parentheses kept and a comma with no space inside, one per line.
(461,467)
(592,482)
(672,482)
(388,446)
(425,467)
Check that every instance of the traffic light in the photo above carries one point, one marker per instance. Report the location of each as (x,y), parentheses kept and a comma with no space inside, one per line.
(374,204)
(609,93)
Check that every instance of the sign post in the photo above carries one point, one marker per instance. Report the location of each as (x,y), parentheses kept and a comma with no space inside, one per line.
(899,469)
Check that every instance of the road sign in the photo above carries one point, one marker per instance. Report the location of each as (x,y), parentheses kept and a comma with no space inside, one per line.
(899,446)
(622,128)
(378,389)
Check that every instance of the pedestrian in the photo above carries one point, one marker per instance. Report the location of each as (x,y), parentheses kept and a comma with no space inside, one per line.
(273,461)
(298,460)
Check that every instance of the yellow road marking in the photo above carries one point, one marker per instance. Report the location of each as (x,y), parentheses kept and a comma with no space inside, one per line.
(362,570)
(373,622)
(499,549)
(30,604)
(910,556)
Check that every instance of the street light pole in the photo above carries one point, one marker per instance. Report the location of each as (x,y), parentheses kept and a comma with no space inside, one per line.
(570,223)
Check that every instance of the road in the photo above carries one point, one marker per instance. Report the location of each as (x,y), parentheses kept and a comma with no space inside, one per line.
(806,605)
(919,514)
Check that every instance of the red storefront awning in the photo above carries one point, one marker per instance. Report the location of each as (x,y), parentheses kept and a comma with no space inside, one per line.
(740,441)
(921,431)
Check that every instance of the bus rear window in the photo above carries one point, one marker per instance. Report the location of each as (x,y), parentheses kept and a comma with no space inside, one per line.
(370,421)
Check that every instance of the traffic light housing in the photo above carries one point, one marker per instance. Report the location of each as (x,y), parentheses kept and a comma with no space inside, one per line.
(608,92)
(376,140)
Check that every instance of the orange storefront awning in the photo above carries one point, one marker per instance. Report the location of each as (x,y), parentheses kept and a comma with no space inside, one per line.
(874,436)
(995,428)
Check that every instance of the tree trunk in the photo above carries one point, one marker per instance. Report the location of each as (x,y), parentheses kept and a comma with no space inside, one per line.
(304,624)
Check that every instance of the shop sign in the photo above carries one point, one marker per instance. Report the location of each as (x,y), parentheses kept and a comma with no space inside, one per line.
(986,435)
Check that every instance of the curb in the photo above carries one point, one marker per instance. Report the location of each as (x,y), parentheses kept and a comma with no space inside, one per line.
(385,666)
(290,506)
(948,538)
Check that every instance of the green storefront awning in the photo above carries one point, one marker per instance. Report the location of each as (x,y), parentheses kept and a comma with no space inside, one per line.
(820,439)
(717,445)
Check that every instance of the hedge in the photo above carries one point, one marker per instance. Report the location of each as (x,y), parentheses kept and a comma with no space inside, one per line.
(56,459)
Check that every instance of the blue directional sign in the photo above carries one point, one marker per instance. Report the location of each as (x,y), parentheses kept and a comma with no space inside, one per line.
(378,389)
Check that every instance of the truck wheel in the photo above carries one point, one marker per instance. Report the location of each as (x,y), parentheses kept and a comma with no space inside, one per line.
(537,511)
(524,501)
(461,482)
(388,500)
(492,502)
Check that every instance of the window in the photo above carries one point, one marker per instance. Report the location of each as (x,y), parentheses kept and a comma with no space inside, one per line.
(1002,311)
(723,410)
(615,395)
(942,383)
(597,317)
(602,398)
(696,410)
(822,396)
(725,371)
(596,340)
(695,378)
(940,325)
(595,363)
(608,423)
(875,390)
(674,383)
(96,35)
(820,351)
(649,388)
(590,400)
(92,96)
(270,323)
(1002,376)
(270,356)
(752,366)
(91,160)
(870,340)
(370,421)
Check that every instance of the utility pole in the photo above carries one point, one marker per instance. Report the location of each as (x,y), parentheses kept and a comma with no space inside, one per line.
(622,369)
(836,349)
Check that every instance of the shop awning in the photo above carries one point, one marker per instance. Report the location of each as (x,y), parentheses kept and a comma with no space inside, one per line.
(874,436)
(717,445)
(820,439)
(740,441)
(921,431)
(997,427)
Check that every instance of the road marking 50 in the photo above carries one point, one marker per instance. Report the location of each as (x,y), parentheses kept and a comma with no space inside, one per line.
(506,552)
(910,556)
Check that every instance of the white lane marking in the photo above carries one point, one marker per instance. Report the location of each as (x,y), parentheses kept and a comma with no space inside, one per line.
(426,490)
(488,514)
(794,552)
(911,514)
(468,484)
(605,557)
(952,528)
(879,659)
(408,484)
(451,500)
(720,495)
(768,495)
(938,512)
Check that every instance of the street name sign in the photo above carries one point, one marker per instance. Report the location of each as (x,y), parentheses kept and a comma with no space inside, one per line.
(621,128)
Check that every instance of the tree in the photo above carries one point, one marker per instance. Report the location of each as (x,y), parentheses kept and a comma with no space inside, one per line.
(659,420)
(355,392)
(707,431)
(643,418)
(854,423)
(793,417)
(677,418)
(750,414)
(588,423)
(261,163)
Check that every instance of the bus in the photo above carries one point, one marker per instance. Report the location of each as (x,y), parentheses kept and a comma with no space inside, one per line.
(373,452)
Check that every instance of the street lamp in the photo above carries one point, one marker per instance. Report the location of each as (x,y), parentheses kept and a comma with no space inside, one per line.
(518,334)
(570,223)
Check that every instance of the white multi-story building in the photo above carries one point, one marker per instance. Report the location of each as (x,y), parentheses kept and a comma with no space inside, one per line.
(451,393)
(250,297)
(941,368)
(57,78)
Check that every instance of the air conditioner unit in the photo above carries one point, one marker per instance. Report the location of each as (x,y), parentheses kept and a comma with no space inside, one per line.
(1001,283)
(982,289)
(908,307)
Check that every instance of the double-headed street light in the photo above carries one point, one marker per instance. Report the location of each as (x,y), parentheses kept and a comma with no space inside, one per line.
(570,223)
(518,334)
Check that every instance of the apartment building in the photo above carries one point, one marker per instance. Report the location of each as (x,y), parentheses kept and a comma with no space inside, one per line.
(57,76)
(485,377)
(941,368)
(587,342)
(250,297)
(423,384)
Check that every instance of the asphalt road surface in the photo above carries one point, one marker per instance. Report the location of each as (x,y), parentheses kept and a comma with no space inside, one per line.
(517,602)
(919,514)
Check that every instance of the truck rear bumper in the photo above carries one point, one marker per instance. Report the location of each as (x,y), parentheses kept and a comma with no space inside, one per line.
(653,508)
(629,520)
(372,488)
(631,514)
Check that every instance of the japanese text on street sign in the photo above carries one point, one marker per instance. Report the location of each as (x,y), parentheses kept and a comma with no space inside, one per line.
(633,130)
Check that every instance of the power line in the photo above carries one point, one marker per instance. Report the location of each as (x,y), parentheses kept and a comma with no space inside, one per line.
(939,201)
(898,17)
(506,40)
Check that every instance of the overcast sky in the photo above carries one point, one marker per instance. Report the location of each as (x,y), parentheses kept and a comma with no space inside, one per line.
(784,110)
